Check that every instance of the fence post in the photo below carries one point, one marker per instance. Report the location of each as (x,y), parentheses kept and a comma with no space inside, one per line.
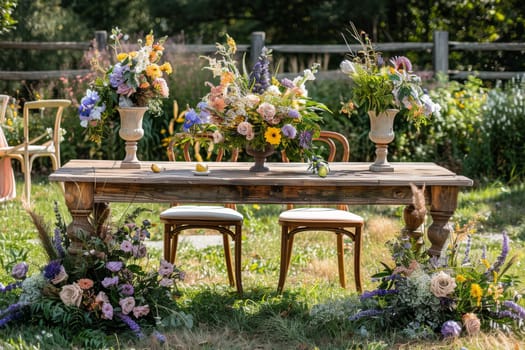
(101,37)
(440,52)
(257,44)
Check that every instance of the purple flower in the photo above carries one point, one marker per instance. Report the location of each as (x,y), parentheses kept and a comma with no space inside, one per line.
(13,312)
(500,260)
(57,241)
(165,268)
(139,251)
(127,305)
(87,103)
(520,311)
(191,118)
(20,270)
(114,266)
(166,282)
(109,281)
(116,77)
(127,289)
(289,131)
(126,246)
(451,329)
(466,258)
(135,328)
(287,83)
(161,338)
(377,292)
(52,269)
(107,311)
(305,139)
(401,62)
(294,113)
(260,76)
(10,287)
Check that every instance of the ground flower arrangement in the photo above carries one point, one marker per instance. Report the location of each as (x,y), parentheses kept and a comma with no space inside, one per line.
(458,294)
(112,287)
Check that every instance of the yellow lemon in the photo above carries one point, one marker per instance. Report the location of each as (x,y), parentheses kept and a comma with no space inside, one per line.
(201,168)
(323,170)
(155,168)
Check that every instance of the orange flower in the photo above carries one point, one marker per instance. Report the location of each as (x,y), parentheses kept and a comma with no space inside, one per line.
(85,283)
(226,78)
(149,39)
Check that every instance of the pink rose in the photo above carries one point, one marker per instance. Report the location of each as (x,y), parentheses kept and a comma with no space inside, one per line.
(140,311)
(244,128)
(127,305)
(266,110)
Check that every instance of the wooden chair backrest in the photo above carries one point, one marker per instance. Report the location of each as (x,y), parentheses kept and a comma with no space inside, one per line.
(191,149)
(337,144)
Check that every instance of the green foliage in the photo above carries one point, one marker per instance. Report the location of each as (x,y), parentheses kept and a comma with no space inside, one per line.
(7,22)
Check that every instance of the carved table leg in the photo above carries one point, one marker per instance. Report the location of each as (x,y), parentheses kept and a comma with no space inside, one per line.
(79,201)
(444,202)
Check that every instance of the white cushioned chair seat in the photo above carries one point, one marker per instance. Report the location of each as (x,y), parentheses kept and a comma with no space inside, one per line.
(201,212)
(319,215)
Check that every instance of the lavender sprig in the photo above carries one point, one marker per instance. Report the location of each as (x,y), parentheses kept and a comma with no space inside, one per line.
(377,292)
(500,260)
(466,258)
(135,328)
(260,76)
(517,309)
(10,287)
(57,241)
(13,312)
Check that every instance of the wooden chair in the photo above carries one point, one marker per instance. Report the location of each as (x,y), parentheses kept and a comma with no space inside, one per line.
(34,146)
(337,220)
(224,219)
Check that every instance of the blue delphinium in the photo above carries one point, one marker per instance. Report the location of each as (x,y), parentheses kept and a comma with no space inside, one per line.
(260,76)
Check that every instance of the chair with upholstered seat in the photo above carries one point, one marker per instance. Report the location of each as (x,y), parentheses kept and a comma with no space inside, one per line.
(224,219)
(45,144)
(337,220)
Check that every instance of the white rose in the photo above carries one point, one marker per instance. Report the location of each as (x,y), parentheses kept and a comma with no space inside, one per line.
(442,285)
(71,294)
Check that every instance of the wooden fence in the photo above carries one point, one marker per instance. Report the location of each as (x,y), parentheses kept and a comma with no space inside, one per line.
(440,48)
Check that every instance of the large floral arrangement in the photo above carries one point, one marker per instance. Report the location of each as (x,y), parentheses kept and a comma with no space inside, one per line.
(459,293)
(256,109)
(378,87)
(135,80)
(112,287)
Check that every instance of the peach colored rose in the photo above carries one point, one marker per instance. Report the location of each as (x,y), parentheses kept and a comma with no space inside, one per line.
(472,323)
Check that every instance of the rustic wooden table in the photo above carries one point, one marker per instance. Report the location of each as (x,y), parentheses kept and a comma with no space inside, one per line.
(88,182)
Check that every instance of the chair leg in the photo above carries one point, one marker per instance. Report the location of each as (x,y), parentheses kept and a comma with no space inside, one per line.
(357,259)
(174,245)
(27,181)
(341,259)
(238,257)
(284,258)
(228,257)
(167,242)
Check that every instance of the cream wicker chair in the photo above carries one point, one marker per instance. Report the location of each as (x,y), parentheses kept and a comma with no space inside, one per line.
(224,219)
(337,220)
(35,146)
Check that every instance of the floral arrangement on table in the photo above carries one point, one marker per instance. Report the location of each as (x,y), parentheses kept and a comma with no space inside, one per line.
(108,288)
(451,296)
(135,80)
(378,87)
(256,109)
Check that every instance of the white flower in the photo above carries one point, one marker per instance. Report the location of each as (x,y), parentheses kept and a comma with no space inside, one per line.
(347,67)
(442,285)
(273,90)
(71,295)
(308,74)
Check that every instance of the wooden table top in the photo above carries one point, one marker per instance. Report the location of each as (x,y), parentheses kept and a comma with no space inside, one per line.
(230,173)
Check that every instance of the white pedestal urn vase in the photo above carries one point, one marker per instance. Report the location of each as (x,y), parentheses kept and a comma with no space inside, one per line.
(131,131)
(382,133)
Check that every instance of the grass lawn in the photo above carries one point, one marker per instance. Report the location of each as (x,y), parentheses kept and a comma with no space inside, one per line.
(262,319)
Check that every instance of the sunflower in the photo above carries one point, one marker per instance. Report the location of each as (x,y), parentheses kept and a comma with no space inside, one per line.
(273,136)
